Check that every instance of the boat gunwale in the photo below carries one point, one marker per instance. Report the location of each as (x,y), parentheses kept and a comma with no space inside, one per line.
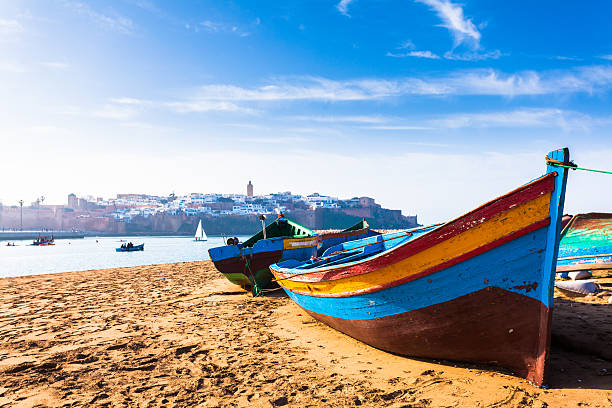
(579,216)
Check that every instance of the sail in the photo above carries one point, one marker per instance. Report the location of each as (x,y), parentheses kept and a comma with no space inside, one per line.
(199,235)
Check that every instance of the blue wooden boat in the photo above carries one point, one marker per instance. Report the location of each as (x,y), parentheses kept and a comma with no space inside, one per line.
(247,263)
(358,231)
(586,244)
(478,288)
(130,249)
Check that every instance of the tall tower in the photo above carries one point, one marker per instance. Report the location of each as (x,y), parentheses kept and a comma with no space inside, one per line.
(73,201)
(249,189)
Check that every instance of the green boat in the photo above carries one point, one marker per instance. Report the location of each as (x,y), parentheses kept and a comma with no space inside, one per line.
(247,263)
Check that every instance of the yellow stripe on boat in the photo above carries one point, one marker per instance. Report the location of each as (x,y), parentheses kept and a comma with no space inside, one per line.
(497,227)
(300,243)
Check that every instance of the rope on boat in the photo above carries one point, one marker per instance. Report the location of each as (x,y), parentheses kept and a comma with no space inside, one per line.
(572,166)
(255,289)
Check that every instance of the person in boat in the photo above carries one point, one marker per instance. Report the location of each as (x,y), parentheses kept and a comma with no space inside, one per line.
(130,245)
(123,246)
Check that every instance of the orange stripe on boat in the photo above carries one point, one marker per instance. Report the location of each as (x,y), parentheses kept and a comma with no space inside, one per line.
(534,214)
(444,265)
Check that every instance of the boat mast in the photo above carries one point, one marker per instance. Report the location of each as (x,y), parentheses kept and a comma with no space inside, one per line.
(263,225)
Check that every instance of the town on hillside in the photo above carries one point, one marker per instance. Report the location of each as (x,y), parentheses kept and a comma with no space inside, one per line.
(220,213)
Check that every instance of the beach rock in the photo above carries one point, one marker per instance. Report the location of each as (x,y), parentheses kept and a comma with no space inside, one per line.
(580,275)
(279,402)
(577,288)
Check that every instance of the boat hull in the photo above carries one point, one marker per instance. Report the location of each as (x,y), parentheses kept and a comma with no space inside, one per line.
(477,289)
(496,334)
(486,309)
(240,272)
(133,249)
(250,267)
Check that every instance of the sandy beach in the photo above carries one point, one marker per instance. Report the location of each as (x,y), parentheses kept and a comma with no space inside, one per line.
(181,335)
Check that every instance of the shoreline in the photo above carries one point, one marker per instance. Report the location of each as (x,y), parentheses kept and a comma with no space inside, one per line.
(180,334)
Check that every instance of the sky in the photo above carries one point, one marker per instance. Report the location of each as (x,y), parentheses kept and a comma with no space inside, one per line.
(430,106)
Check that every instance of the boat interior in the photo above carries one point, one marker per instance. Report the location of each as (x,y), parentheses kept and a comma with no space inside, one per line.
(281,228)
(357,250)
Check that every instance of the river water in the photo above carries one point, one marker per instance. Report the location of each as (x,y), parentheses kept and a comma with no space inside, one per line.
(99,253)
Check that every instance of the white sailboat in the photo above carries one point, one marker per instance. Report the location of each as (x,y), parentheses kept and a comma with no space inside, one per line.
(200,235)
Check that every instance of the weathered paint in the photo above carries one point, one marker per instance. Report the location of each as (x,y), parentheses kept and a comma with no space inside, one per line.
(586,243)
(429,295)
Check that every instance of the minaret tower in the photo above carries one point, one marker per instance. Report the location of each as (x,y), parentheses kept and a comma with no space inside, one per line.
(250,189)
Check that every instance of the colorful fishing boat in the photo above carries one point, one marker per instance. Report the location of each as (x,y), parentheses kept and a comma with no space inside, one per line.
(586,243)
(247,264)
(130,248)
(358,231)
(477,289)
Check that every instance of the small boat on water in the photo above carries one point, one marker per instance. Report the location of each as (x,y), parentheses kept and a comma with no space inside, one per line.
(200,235)
(129,247)
(358,231)
(43,241)
(477,289)
(586,244)
(247,263)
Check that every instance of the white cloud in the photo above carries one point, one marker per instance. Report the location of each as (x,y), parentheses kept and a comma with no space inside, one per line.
(211,26)
(8,27)
(484,82)
(461,28)
(12,67)
(199,105)
(129,101)
(473,56)
(114,112)
(55,65)
(398,127)
(273,140)
(412,52)
(606,57)
(408,44)
(418,54)
(564,58)
(340,119)
(221,27)
(343,7)
(115,22)
(518,118)
(467,82)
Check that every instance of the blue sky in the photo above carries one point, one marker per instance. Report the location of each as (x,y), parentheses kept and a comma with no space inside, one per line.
(430,106)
